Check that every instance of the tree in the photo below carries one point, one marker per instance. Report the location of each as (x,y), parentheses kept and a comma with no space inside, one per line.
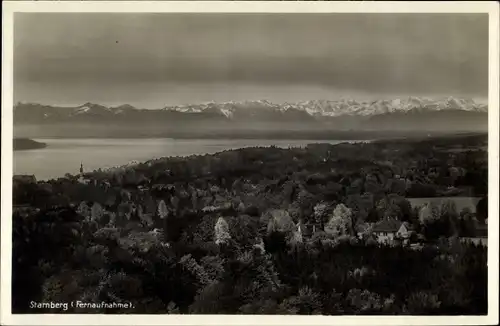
(428,213)
(289,190)
(398,186)
(280,221)
(198,271)
(296,236)
(162,209)
(340,223)
(320,213)
(221,233)
(306,302)
(466,223)
(244,229)
(333,191)
(422,302)
(125,195)
(195,200)
(405,207)
(364,301)
(436,221)
(305,201)
(112,219)
(414,216)
(360,205)
(174,201)
(449,217)
(96,212)
(214,266)
(394,206)
(387,209)
(130,177)
(172,308)
(373,186)
(83,209)
(466,213)
(372,216)
(482,210)
(150,206)
(333,303)
(208,299)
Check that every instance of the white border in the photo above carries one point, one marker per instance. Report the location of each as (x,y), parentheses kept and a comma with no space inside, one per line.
(491,7)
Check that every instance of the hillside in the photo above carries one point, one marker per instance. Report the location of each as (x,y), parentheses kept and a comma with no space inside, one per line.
(255,231)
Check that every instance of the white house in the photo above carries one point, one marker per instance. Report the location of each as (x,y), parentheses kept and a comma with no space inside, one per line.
(388,230)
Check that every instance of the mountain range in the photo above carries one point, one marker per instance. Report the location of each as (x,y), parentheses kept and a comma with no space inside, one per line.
(411,114)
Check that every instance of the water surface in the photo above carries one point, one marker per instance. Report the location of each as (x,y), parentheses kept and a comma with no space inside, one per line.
(63,156)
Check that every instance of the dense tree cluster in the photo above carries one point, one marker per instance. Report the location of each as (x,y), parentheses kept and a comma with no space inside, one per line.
(258,231)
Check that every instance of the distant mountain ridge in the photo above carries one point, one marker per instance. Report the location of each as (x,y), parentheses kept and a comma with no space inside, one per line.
(333,108)
(412,113)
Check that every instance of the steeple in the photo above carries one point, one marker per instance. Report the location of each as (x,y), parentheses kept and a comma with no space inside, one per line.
(81,168)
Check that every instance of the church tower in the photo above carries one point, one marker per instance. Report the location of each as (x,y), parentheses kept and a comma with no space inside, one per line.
(81,177)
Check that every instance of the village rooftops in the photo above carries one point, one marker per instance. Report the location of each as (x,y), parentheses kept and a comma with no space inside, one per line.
(390,226)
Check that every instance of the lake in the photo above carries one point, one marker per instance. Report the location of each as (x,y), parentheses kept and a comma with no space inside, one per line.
(63,156)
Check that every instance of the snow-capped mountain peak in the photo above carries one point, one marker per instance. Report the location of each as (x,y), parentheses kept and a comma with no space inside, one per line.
(262,109)
(89,108)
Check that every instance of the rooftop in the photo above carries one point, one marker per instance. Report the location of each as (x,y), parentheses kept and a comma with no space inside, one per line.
(387,225)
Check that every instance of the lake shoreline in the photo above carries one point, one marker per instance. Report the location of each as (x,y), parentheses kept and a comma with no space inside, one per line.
(67,154)
(101,153)
(275,138)
(244,134)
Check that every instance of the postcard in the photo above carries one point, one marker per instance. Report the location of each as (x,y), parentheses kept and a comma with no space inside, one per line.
(249,163)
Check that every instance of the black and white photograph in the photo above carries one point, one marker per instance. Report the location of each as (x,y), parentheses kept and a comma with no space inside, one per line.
(315,163)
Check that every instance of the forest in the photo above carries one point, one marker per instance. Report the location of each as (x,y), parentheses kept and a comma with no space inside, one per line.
(26,144)
(260,230)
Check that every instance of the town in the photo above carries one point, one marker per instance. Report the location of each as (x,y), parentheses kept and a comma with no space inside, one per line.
(323,229)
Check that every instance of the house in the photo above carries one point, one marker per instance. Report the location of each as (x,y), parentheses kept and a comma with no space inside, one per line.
(309,229)
(83,180)
(389,230)
(480,236)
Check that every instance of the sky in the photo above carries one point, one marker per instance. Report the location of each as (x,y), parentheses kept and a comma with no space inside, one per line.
(152,60)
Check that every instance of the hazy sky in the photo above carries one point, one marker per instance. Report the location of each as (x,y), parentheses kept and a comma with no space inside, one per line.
(150,60)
